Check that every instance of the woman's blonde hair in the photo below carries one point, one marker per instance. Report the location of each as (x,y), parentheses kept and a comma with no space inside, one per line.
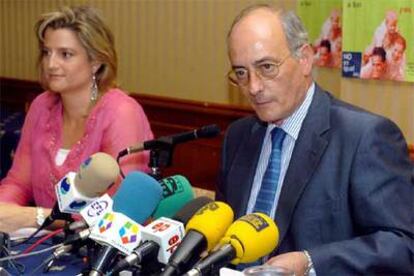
(94,35)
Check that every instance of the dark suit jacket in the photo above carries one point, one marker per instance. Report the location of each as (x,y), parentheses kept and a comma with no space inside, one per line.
(348,194)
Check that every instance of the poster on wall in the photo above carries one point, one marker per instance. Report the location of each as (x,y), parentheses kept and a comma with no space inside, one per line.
(378,39)
(323,20)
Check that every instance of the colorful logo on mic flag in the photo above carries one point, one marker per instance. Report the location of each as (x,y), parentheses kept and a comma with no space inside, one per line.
(106,222)
(128,232)
(64,186)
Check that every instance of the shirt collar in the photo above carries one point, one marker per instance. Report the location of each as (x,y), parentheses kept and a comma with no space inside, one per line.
(293,123)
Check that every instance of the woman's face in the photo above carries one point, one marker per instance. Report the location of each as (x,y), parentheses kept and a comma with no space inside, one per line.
(397,52)
(66,67)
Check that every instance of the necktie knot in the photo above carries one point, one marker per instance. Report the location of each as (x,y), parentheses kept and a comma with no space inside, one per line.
(278,136)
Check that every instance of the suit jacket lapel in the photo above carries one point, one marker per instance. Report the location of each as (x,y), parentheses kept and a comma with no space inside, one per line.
(305,157)
(244,167)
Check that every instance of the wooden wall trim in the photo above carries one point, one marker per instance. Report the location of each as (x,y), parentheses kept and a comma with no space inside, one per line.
(17,94)
(411,151)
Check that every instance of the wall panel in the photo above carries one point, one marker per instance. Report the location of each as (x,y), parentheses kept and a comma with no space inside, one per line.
(177,48)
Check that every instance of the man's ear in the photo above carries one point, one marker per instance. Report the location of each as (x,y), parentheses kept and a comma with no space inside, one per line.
(306,59)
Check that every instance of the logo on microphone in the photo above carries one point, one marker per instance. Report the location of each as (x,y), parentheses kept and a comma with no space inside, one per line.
(64,186)
(76,205)
(212,206)
(97,208)
(256,221)
(128,232)
(86,162)
(160,227)
(83,166)
(106,222)
(170,187)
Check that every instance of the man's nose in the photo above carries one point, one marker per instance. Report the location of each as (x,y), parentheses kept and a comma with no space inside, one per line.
(255,83)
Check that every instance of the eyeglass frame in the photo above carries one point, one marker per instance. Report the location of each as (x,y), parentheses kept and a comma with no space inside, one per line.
(234,81)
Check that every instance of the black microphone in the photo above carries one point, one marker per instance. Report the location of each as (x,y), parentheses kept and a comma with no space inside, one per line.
(172,140)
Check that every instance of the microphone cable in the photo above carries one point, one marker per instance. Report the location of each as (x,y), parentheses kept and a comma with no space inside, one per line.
(19,256)
(41,240)
(44,263)
(119,164)
(26,239)
(18,267)
(48,262)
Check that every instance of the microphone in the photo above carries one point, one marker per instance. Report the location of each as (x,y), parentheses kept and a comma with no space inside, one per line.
(176,192)
(92,213)
(249,238)
(120,229)
(167,234)
(75,190)
(171,140)
(160,245)
(204,230)
(190,208)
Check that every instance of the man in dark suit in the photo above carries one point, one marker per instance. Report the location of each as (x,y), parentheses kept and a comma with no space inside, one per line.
(343,198)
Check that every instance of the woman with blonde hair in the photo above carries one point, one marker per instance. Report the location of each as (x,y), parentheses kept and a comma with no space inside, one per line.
(80,113)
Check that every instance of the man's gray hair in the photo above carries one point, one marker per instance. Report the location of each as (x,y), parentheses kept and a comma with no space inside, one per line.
(295,32)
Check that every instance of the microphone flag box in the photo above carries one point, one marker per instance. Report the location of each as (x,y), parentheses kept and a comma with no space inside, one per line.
(93,212)
(167,233)
(119,231)
(69,199)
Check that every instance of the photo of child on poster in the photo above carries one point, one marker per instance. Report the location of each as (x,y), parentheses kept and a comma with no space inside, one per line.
(388,45)
(323,20)
(387,52)
(328,46)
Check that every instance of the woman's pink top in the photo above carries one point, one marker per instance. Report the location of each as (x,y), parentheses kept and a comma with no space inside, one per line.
(116,122)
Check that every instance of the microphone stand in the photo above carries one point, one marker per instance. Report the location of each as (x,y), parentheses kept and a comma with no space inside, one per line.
(160,157)
(154,164)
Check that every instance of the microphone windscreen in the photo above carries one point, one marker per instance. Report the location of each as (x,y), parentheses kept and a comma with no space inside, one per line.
(95,174)
(137,196)
(212,221)
(177,191)
(252,236)
(189,209)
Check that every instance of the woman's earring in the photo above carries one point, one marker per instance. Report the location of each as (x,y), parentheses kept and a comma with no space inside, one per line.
(94,89)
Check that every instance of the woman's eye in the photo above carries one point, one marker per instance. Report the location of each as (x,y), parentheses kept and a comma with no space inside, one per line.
(67,54)
(45,52)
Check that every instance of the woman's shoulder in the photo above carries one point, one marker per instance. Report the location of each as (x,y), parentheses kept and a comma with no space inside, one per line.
(116,95)
(116,98)
(116,104)
(44,101)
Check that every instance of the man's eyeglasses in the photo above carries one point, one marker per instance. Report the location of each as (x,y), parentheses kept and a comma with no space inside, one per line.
(265,70)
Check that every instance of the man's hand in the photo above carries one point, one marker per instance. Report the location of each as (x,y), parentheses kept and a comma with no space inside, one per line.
(294,261)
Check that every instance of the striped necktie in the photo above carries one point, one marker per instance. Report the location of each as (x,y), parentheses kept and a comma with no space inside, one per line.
(266,196)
